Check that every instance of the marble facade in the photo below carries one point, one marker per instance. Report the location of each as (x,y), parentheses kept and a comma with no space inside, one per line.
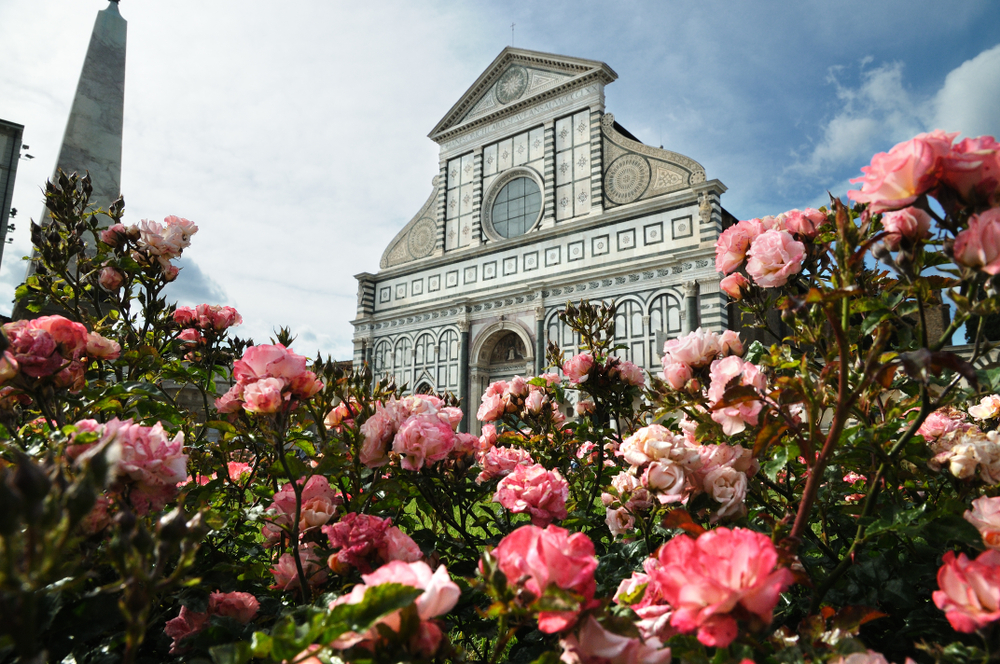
(461,300)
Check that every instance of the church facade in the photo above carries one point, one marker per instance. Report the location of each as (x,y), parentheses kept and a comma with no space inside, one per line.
(540,198)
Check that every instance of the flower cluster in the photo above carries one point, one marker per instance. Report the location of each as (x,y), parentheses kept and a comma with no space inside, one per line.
(150,244)
(668,468)
(966,451)
(421,430)
(439,596)
(286,576)
(706,585)
(268,379)
(239,606)
(579,368)
(766,249)
(53,346)
(205,320)
(318,507)
(525,400)
(683,356)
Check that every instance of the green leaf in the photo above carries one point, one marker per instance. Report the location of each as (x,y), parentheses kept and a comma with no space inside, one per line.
(754,352)
(377,602)
(261,644)
(231,653)
(221,425)
(774,465)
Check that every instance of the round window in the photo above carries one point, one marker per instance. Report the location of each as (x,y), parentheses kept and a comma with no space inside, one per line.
(516,207)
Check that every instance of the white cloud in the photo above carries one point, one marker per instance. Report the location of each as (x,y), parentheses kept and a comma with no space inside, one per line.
(969,101)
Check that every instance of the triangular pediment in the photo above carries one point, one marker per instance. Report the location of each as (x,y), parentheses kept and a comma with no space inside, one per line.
(518,78)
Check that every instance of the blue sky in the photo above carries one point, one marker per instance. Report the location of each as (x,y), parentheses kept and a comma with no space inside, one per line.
(294,134)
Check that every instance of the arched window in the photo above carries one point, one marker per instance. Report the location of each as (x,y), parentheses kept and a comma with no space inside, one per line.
(424,361)
(402,362)
(560,333)
(630,332)
(382,358)
(447,366)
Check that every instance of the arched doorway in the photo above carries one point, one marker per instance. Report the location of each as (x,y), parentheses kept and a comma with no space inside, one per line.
(500,352)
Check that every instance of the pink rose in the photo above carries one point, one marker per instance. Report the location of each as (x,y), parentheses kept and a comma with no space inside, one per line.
(970,590)
(184,316)
(735,418)
(101,348)
(677,374)
(110,279)
(805,223)
(241,606)
(585,407)
(731,247)
(316,487)
(440,595)
(577,368)
(667,481)
(488,438)
(910,223)
(114,236)
(595,645)
(377,430)
(422,440)
(987,409)
(535,490)
(492,408)
(705,579)
(397,545)
(268,361)
(501,461)
(972,168)
(730,344)
(629,373)
(774,257)
(185,624)
(533,402)
(264,396)
(979,245)
(231,401)
(534,559)
(286,576)
(985,516)
(354,539)
(620,521)
(734,285)
(727,486)
(942,421)
(695,349)
(237,469)
(897,178)
(518,386)
(191,336)
(149,457)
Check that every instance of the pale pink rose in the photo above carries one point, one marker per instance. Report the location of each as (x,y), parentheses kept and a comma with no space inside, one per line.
(577,368)
(231,401)
(897,178)
(870,657)
(185,624)
(774,256)
(534,559)
(585,407)
(397,545)
(695,349)
(805,223)
(979,245)
(972,168)
(216,317)
(629,373)
(667,481)
(241,606)
(113,236)
(286,576)
(677,374)
(985,516)
(631,492)
(733,285)
(342,414)
(910,223)
(533,489)
(423,440)
(657,442)
(492,408)
(315,513)
(730,344)
(736,457)
(71,377)
(940,422)
(551,378)
(170,271)
(970,590)
(620,521)
(102,348)
(728,487)
(518,386)
(724,372)
(439,597)
(705,579)
(533,402)
(149,456)
(488,439)
(731,247)
(110,279)
(316,486)
(377,430)
(354,539)
(987,409)
(595,645)
(264,396)
(451,416)
(653,611)
(501,461)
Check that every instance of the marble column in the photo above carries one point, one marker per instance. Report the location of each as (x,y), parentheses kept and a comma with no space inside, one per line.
(539,340)
(463,374)
(691,305)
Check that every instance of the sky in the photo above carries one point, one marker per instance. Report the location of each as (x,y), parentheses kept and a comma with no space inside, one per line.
(295,134)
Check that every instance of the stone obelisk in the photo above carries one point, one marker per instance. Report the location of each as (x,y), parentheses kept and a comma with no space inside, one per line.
(93,138)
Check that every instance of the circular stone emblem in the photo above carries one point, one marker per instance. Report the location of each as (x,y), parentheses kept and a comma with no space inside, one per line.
(421,239)
(627,178)
(512,84)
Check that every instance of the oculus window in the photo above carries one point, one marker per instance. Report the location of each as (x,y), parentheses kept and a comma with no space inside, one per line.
(516,207)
